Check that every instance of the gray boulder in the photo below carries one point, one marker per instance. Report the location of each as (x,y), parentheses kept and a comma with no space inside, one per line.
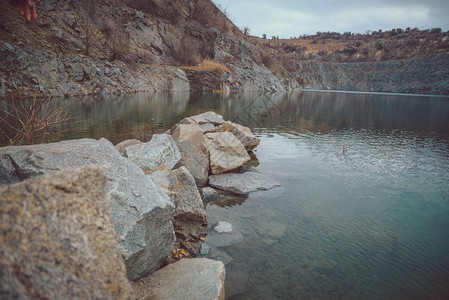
(196,278)
(181,188)
(161,150)
(208,121)
(209,194)
(58,240)
(125,144)
(226,152)
(204,118)
(243,183)
(195,157)
(105,141)
(243,133)
(140,209)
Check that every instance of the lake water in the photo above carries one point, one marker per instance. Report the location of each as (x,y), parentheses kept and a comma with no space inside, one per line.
(370,223)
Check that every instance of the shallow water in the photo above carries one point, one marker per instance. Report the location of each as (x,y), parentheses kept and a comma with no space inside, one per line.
(370,223)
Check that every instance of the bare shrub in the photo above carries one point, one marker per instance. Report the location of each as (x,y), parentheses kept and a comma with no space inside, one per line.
(189,51)
(34,124)
(91,34)
(117,40)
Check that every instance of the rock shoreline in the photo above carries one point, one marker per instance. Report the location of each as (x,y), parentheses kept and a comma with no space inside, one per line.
(150,197)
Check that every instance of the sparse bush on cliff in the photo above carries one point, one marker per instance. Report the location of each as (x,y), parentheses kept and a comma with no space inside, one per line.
(91,34)
(207,13)
(189,51)
(372,46)
(117,40)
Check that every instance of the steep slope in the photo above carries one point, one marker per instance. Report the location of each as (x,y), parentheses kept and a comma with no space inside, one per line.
(123,46)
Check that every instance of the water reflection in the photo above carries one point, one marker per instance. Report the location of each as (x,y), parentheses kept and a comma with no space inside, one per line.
(139,115)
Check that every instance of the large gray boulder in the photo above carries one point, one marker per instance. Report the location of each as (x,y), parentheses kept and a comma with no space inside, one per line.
(242,183)
(161,150)
(195,157)
(244,134)
(125,144)
(58,240)
(226,152)
(181,188)
(207,117)
(196,278)
(208,121)
(140,209)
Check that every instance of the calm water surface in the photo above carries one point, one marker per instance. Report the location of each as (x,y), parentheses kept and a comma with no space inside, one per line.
(370,223)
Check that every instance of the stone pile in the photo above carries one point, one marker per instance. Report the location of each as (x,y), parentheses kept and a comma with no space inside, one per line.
(124,212)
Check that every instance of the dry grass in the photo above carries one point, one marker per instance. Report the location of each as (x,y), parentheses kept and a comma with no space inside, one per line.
(208,65)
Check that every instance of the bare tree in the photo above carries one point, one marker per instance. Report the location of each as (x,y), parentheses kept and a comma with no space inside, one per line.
(246,30)
(91,34)
(117,40)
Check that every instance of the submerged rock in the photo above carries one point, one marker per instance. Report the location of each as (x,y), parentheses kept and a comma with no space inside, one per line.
(236,280)
(223,227)
(226,152)
(224,234)
(192,145)
(196,278)
(217,254)
(58,240)
(243,183)
(161,150)
(140,209)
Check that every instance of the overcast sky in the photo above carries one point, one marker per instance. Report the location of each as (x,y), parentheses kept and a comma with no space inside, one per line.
(288,18)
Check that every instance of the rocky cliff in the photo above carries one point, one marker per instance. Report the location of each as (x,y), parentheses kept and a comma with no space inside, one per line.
(400,60)
(423,75)
(124,46)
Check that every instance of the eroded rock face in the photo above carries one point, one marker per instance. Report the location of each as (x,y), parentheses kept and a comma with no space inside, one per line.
(161,150)
(192,145)
(140,209)
(243,133)
(57,239)
(196,278)
(226,152)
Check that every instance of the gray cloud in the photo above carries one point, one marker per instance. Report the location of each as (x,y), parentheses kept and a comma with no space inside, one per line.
(288,18)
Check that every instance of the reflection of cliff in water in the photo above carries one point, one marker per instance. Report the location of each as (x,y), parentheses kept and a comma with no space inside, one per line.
(140,115)
(129,116)
(327,111)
